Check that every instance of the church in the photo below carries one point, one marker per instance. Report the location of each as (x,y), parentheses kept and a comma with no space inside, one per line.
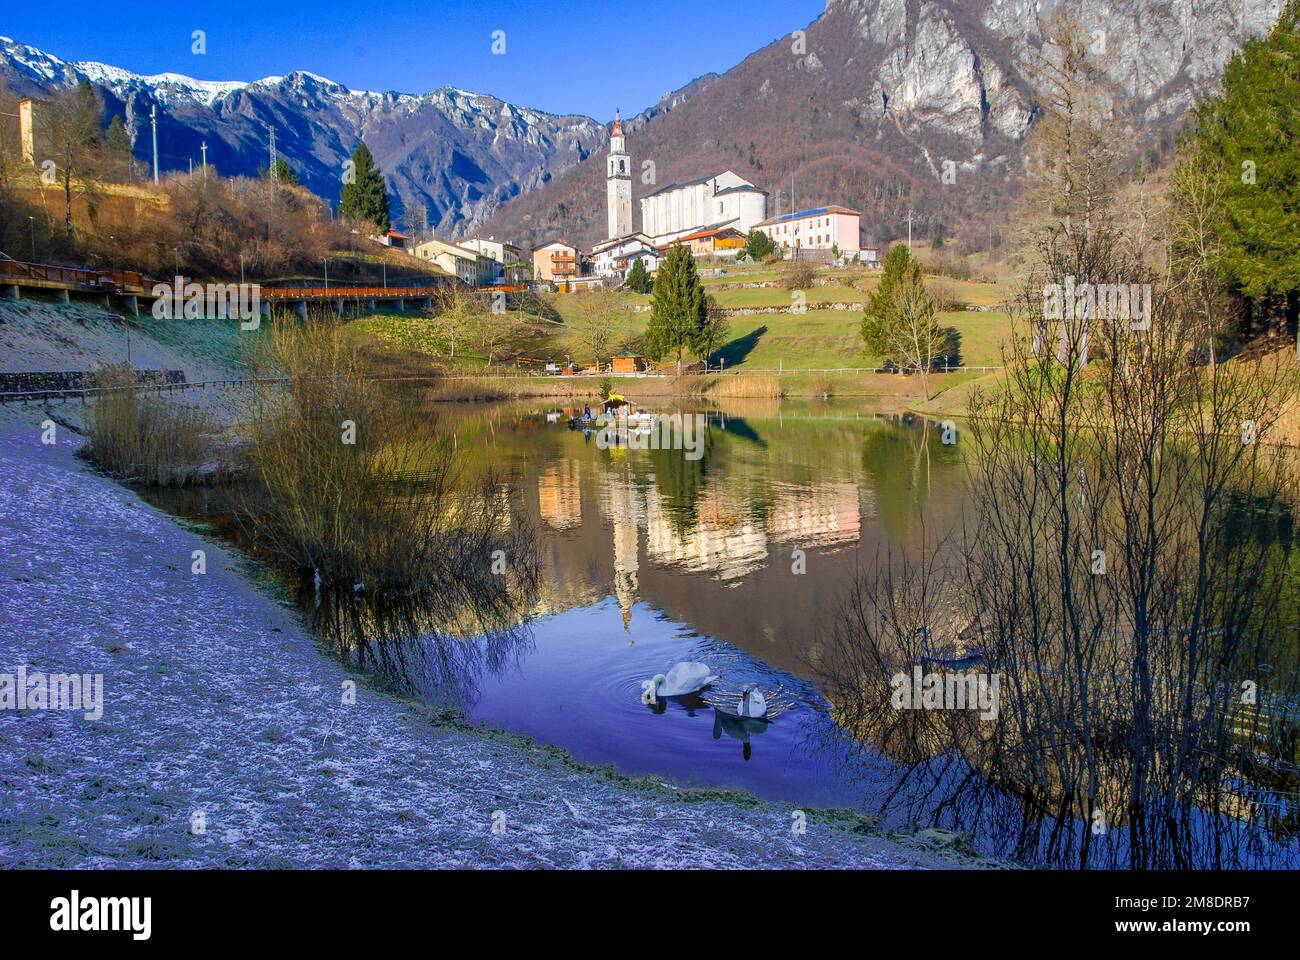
(717,201)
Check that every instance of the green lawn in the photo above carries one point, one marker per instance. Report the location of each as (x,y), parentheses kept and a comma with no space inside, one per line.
(818,339)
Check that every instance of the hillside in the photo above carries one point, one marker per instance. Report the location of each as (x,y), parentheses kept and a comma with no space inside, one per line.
(884,92)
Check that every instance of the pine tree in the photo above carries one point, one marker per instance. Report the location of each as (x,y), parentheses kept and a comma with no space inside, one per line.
(678,307)
(712,333)
(284,173)
(119,141)
(366,197)
(638,279)
(1248,134)
(880,318)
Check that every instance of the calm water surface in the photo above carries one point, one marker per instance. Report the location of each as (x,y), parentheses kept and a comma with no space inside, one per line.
(649,559)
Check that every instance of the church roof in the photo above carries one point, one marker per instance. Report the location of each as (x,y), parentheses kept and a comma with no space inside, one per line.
(617,130)
(689,183)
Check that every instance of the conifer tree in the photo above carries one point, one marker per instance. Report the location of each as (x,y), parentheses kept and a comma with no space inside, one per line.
(366,197)
(678,307)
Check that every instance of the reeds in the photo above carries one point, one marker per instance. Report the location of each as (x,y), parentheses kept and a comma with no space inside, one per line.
(353,482)
(147,440)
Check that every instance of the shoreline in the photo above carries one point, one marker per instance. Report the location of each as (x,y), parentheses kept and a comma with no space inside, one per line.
(220,703)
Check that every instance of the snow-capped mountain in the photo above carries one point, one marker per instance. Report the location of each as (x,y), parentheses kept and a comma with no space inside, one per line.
(455,154)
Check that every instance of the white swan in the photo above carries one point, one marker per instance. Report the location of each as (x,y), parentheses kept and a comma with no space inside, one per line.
(752,702)
(686,677)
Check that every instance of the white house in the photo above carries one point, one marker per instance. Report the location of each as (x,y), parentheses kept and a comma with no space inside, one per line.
(502,254)
(824,228)
(468,265)
(614,258)
(718,200)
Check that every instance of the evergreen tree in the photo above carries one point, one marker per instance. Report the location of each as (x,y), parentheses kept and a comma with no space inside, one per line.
(118,141)
(366,197)
(638,278)
(284,173)
(882,317)
(678,307)
(758,245)
(713,332)
(1248,133)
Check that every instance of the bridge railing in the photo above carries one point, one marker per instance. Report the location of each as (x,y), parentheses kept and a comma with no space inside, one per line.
(345,293)
(75,276)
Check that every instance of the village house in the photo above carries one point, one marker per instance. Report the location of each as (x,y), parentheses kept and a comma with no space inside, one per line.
(508,261)
(723,242)
(467,265)
(394,239)
(556,260)
(614,258)
(825,228)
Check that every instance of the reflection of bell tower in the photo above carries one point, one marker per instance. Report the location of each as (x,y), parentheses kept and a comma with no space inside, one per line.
(623,511)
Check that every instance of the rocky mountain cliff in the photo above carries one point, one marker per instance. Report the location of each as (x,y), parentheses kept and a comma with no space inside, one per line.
(458,155)
(864,107)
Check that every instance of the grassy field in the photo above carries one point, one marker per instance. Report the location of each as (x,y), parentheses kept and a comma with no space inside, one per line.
(811,351)
(819,338)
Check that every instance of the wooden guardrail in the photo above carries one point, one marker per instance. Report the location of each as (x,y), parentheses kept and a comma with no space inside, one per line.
(92,280)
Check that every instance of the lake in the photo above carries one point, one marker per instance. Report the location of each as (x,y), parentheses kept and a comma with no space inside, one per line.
(737,560)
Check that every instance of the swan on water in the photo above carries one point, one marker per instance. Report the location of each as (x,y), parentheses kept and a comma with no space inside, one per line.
(752,702)
(686,677)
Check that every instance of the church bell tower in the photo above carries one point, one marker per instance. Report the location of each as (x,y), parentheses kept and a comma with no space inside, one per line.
(618,180)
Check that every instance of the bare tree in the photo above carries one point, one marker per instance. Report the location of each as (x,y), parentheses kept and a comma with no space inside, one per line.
(599,323)
(1123,570)
(70,132)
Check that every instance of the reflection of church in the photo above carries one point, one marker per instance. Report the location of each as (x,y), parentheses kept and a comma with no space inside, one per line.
(723,538)
(559,495)
(623,507)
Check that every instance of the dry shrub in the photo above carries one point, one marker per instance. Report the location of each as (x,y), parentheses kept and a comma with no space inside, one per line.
(762,387)
(354,481)
(798,275)
(147,440)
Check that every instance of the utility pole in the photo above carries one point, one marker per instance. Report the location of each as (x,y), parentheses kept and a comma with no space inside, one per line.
(32,221)
(204,148)
(327,275)
(275,174)
(153,123)
(909,229)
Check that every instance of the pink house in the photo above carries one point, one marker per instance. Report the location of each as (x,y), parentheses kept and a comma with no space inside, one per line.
(822,229)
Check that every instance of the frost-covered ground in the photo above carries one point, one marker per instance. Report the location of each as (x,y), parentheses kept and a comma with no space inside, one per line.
(217,700)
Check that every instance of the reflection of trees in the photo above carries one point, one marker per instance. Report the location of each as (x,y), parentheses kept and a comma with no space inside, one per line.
(897,458)
(434,653)
(1123,568)
(681,482)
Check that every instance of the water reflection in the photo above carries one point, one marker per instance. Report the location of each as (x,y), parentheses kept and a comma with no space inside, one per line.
(742,560)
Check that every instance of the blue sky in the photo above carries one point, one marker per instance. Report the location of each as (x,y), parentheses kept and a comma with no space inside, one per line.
(565,57)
